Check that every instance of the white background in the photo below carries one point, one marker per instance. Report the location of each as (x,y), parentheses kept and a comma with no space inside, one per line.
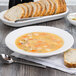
(70,2)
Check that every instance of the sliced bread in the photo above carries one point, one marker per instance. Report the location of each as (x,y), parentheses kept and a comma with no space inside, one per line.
(14,13)
(53,7)
(43,9)
(70,58)
(30,9)
(64,5)
(58,6)
(48,6)
(39,9)
(35,9)
(25,8)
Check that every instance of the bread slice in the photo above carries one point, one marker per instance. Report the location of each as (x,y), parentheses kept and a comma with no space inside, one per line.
(30,9)
(43,8)
(35,9)
(48,6)
(14,13)
(70,58)
(58,6)
(53,7)
(64,5)
(39,9)
(25,8)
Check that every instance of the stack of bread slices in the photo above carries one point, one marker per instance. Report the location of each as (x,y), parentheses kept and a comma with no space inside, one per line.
(35,9)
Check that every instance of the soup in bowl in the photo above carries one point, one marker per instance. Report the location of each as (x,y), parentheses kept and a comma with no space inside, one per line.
(39,42)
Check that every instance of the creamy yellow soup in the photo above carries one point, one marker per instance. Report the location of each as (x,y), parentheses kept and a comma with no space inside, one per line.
(39,42)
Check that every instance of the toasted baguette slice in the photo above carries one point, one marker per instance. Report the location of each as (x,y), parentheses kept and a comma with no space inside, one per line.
(39,9)
(70,58)
(53,7)
(35,9)
(48,6)
(43,9)
(58,6)
(14,13)
(30,9)
(25,8)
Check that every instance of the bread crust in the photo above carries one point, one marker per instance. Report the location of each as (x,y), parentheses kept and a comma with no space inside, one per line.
(44,10)
(39,10)
(10,9)
(34,15)
(36,9)
(47,10)
(62,10)
(58,6)
(26,15)
(26,11)
(52,8)
(64,4)
(30,14)
(23,13)
(69,65)
(47,13)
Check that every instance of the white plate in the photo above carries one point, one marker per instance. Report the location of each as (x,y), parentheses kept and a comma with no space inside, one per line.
(11,37)
(70,16)
(33,21)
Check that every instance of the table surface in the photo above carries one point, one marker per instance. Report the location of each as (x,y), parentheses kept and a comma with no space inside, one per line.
(25,70)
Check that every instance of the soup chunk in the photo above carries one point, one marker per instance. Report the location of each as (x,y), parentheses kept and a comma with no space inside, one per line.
(39,42)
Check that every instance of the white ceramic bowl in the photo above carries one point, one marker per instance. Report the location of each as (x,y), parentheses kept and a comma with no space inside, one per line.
(11,37)
(70,16)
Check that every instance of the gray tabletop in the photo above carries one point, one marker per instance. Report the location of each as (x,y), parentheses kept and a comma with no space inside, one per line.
(25,70)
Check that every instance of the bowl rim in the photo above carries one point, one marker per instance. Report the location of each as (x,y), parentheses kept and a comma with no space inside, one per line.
(70,19)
